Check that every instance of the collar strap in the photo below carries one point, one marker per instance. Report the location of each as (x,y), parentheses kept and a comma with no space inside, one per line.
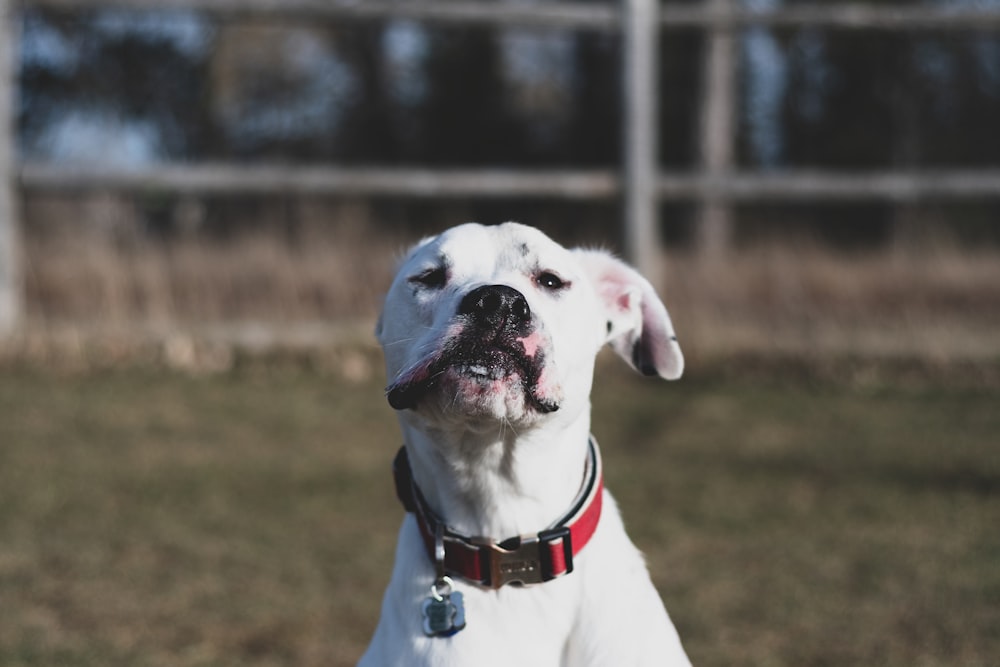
(524,559)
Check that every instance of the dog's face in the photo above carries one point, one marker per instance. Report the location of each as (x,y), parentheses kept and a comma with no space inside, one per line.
(501,324)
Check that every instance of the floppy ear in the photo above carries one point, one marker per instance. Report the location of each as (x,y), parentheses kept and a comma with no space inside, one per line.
(638,325)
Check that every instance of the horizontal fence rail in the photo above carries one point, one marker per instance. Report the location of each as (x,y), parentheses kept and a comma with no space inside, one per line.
(570,15)
(201,178)
(583,185)
(899,186)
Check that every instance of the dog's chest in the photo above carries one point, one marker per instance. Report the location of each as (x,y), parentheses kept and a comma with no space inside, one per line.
(528,626)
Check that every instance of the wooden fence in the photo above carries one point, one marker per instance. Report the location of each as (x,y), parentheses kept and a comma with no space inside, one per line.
(716,184)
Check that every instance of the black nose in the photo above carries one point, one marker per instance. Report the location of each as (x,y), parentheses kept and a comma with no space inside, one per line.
(496,306)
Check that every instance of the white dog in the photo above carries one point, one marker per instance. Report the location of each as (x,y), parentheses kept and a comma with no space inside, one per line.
(512,553)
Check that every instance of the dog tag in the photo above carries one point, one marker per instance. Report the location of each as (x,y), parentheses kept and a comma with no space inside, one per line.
(444,612)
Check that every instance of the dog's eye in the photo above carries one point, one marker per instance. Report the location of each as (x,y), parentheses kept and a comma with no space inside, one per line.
(550,281)
(434,278)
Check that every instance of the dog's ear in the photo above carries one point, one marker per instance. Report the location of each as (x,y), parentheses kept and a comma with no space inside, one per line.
(638,325)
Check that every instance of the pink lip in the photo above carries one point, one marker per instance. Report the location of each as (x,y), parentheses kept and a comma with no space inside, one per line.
(532,342)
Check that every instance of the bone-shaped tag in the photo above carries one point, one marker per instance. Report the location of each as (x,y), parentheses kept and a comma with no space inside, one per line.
(444,615)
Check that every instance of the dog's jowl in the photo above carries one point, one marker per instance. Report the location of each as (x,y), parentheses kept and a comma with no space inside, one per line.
(512,552)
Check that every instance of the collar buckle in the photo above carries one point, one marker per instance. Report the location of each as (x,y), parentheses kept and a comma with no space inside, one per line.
(535,559)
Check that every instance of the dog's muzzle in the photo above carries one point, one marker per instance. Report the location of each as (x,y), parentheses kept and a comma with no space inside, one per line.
(494,323)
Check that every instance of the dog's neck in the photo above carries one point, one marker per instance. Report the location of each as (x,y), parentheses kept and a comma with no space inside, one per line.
(500,482)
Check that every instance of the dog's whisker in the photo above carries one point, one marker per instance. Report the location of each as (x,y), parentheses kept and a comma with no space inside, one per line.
(401,341)
(407,339)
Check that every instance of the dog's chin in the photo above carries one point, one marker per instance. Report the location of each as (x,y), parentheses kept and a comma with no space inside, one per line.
(475,391)
(491,395)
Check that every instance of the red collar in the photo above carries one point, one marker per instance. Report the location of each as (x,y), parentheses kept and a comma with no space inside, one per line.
(524,559)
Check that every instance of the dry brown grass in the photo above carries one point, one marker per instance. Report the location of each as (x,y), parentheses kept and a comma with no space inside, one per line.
(104,270)
(940,303)
(935,300)
(251,278)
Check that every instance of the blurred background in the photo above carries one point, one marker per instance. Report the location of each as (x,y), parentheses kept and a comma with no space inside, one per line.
(201,205)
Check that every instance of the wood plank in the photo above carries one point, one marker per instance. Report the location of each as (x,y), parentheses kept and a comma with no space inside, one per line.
(639,132)
(206,178)
(596,184)
(717,140)
(566,15)
(840,15)
(11,297)
(811,186)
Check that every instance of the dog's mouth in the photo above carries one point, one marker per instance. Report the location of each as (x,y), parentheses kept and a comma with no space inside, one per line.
(474,367)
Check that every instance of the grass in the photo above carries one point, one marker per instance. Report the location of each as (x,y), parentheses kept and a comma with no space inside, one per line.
(937,299)
(247,518)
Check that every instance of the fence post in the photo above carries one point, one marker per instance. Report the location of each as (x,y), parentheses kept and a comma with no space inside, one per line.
(640,38)
(11,298)
(718,109)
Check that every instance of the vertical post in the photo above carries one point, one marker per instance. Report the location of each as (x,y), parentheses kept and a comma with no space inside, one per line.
(11,299)
(640,38)
(718,110)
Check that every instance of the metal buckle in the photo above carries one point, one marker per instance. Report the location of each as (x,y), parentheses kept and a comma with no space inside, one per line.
(527,563)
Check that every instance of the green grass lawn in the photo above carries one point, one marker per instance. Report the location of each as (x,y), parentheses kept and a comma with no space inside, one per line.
(153,518)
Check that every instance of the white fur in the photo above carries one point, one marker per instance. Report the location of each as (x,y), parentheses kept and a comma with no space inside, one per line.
(491,464)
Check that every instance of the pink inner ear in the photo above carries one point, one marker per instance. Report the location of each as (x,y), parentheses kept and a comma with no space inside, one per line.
(623,301)
(614,291)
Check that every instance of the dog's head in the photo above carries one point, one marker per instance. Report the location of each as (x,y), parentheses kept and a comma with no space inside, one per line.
(487,324)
